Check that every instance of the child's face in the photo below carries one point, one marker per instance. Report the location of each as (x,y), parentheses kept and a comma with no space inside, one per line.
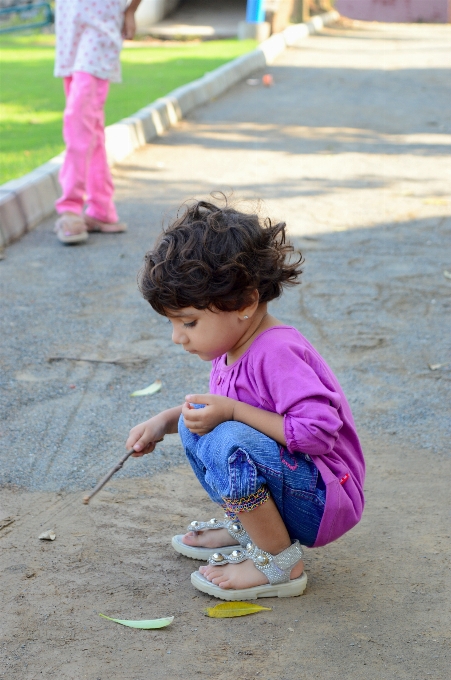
(205,333)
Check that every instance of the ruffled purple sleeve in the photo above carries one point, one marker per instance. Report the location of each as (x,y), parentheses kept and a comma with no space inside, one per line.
(294,382)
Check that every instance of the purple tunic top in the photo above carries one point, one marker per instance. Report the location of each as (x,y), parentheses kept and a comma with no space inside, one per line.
(281,372)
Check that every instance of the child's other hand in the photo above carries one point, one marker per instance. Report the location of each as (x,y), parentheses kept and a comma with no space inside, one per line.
(217,410)
(144,437)
(129,26)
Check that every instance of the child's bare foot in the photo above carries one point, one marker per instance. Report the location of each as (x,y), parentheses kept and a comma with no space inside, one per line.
(242,575)
(219,538)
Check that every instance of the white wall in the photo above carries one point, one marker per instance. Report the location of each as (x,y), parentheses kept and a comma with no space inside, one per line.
(151,11)
(396,10)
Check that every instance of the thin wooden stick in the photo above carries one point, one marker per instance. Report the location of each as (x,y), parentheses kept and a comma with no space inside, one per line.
(108,476)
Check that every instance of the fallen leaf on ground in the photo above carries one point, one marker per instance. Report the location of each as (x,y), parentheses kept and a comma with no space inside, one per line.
(152,389)
(48,535)
(227,610)
(435,367)
(143,625)
(125,362)
(447,274)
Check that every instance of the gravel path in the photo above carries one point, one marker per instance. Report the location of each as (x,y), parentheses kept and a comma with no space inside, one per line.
(350,147)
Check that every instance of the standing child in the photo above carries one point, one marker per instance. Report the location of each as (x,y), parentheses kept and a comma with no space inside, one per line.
(88,43)
(274,441)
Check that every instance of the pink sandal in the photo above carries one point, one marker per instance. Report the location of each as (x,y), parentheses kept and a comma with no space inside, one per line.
(94,224)
(70,229)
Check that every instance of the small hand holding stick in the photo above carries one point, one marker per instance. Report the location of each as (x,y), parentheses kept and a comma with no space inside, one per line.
(108,476)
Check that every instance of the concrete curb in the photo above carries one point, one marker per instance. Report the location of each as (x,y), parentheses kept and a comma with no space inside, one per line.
(26,201)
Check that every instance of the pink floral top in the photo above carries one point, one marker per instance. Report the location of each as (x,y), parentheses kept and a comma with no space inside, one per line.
(88,37)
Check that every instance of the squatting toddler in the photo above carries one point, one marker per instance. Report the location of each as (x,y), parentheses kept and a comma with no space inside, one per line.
(273,443)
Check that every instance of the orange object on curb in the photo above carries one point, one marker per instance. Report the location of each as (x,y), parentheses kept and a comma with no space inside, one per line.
(268,80)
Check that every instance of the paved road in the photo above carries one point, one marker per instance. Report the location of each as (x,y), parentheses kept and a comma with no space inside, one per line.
(351,148)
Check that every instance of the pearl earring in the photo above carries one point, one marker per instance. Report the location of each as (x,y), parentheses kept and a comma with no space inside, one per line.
(245,316)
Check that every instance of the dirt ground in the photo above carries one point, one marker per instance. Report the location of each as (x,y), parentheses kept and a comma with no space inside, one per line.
(376,605)
(351,148)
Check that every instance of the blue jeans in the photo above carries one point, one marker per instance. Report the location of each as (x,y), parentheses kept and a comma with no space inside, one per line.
(234,461)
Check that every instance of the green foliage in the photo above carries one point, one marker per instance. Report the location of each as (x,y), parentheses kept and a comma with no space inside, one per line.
(149,624)
(32,100)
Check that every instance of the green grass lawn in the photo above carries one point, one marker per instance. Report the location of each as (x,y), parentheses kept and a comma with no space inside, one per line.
(32,100)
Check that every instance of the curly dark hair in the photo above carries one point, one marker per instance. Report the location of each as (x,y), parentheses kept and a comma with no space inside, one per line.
(214,258)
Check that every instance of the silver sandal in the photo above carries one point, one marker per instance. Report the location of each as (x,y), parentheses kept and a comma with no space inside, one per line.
(234,528)
(276,568)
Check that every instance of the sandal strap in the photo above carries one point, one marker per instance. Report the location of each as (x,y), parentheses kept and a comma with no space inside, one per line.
(238,532)
(234,528)
(276,568)
(235,557)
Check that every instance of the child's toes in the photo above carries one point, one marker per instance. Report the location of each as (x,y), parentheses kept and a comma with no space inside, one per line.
(211,573)
(190,538)
(221,581)
(218,577)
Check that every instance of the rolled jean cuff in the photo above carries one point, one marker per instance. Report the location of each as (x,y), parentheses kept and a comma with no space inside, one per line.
(248,503)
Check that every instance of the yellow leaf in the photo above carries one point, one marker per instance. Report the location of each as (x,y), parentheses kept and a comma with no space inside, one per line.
(227,610)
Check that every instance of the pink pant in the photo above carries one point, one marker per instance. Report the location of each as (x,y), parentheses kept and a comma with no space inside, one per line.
(85,174)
